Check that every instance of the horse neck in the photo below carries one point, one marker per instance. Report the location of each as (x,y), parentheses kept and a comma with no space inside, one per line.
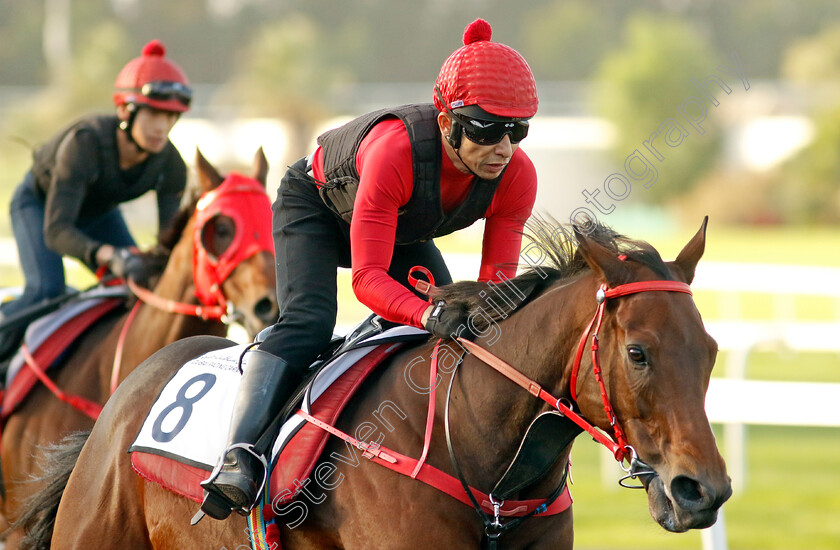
(540,341)
(153,328)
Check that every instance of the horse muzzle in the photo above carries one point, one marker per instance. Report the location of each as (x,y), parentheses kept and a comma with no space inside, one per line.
(684,503)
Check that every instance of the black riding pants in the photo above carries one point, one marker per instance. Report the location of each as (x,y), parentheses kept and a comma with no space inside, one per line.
(311,243)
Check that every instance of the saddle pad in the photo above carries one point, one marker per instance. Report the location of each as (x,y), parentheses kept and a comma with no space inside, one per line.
(296,457)
(40,330)
(189,420)
(185,432)
(64,330)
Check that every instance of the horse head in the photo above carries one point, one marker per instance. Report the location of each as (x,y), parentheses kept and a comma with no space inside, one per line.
(226,243)
(656,360)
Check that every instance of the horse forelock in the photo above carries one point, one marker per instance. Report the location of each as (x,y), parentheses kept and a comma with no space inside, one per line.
(551,255)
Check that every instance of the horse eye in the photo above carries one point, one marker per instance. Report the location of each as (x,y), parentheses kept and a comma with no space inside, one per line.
(217,235)
(636,355)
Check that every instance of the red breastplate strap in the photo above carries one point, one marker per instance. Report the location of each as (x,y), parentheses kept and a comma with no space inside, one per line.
(440,480)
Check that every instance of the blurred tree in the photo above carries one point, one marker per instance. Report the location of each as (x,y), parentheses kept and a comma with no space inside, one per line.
(286,72)
(87,87)
(812,178)
(406,40)
(642,85)
(811,181)
(762,30)
(21,57)
(814,59)
(566,39)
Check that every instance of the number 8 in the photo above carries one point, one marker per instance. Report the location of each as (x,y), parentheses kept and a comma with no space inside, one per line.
(182,402)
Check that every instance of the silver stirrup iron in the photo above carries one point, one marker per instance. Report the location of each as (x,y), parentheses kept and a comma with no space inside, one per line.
(247,447)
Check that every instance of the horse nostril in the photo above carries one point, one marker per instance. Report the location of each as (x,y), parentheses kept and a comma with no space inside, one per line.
(688,493)
(265,310)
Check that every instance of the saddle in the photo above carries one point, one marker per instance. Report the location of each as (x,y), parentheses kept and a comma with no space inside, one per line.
(48,337)
(180,461)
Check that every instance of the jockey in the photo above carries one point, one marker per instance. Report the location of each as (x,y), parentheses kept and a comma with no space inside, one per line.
(68,203)
(372,197)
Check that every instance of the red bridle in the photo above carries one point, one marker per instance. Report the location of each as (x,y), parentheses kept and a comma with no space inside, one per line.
(620,448)
(245,201)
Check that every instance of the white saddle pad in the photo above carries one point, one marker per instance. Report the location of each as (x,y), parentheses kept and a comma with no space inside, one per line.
(190,419)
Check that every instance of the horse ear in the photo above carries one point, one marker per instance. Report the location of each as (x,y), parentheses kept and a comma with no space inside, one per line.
(688,257)
(260,167)
(603,262)
(208,177)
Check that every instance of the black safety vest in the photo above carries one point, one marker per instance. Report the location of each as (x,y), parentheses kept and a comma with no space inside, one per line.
(104,127)
(422,218)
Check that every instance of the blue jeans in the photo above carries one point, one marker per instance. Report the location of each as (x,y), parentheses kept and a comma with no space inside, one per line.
(43,269)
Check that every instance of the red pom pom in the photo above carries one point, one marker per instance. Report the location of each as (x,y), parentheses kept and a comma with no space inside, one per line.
(155,47)
(477,30)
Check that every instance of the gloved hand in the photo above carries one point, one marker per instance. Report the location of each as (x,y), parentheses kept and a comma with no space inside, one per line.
(445,320)
(125,264)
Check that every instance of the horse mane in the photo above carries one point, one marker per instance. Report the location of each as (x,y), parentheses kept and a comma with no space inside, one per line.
(157,257)
(561,261)
(170,236)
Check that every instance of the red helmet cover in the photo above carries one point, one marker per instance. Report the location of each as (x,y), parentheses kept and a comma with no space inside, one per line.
(488,74)
(151,66)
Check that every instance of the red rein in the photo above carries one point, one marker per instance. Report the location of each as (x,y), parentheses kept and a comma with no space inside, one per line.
(621,449)
(620,446)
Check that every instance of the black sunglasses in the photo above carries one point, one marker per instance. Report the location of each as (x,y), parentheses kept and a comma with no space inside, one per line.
(164,90)
(486,132)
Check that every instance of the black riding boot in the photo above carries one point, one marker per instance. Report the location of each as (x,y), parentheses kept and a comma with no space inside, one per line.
(267,383)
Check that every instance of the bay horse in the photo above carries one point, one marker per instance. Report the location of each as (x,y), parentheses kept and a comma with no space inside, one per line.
(633,376)
(213,235)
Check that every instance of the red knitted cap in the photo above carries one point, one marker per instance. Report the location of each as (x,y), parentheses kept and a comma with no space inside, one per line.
(488,74)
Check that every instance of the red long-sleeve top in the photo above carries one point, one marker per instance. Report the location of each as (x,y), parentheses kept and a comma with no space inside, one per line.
(384,163)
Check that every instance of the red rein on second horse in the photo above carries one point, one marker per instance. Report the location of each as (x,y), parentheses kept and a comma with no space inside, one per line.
(235,196)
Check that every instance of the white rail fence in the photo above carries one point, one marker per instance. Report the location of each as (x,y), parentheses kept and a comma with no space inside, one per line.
(736,402)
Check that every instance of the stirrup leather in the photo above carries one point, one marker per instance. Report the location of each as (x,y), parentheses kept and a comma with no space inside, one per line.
(209,487)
